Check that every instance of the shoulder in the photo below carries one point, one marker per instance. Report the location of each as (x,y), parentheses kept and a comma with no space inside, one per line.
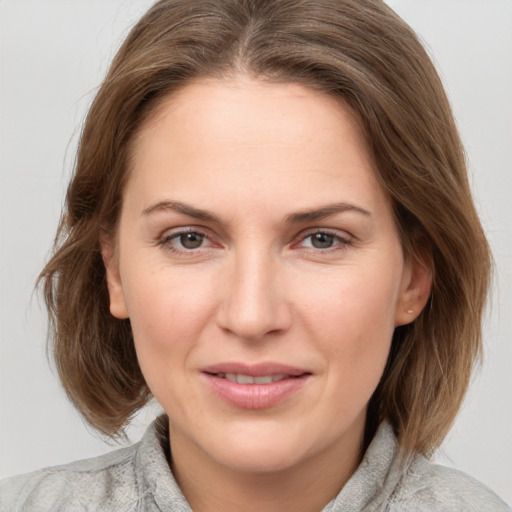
(434,488)
(109,480)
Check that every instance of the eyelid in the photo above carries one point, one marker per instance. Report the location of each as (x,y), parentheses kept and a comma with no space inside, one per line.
(172,232)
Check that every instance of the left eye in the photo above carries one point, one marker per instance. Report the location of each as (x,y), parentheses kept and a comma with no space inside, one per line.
(323,240)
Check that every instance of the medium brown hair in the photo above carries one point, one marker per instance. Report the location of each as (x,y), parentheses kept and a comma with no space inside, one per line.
(357,50)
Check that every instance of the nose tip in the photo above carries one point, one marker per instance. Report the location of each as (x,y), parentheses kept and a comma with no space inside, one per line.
(254,305)
(253,320)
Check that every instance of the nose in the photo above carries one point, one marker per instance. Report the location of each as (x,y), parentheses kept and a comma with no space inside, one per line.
(253,305)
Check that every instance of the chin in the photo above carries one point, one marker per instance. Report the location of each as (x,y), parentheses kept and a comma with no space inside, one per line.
(258,459)
(260,450)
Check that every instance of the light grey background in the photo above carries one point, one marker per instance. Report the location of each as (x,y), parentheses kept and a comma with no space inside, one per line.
(53,55)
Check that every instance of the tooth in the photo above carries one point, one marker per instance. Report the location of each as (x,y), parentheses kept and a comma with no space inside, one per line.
(263,380)
(244,379)
(249,379)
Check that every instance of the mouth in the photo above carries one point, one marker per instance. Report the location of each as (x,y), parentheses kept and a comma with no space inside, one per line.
(258,386)
(241,378)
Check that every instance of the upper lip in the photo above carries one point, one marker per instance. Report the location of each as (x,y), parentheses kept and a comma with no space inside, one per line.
(255,370)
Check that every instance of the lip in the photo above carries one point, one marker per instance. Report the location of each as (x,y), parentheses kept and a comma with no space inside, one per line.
(255,370)
(255,396)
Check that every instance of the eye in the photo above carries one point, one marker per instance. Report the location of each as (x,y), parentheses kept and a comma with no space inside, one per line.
(321,240)
(184,241)
(324,240)
(191,240)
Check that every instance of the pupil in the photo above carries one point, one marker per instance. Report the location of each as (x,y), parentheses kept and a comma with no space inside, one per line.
(191,240)
(322,240)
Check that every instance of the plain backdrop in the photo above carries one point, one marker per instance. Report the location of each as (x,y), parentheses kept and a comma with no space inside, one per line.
(54,54)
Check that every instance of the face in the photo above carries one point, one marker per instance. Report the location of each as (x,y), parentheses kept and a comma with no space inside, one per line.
(259,264)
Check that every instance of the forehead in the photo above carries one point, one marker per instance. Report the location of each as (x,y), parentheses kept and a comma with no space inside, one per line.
(244,110)
(269,141)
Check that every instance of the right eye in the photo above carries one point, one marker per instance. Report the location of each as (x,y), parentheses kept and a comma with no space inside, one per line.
(191,240)
(185,241)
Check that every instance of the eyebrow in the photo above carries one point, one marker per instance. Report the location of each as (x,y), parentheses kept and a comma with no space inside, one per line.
(298,217)
(183,208)
(323,212)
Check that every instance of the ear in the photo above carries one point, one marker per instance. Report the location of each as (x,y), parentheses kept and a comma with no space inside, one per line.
(115,288)
(415,288)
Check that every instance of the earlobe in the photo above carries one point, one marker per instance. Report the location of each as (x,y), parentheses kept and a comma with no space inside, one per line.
(415,292)
(115,289)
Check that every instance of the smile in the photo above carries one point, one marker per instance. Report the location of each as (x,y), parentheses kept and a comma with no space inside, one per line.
(240,378)
(260,386)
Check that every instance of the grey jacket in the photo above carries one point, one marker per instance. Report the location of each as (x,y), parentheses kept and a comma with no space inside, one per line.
(138,479)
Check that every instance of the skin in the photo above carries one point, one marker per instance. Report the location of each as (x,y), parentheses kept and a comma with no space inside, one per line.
(256,289)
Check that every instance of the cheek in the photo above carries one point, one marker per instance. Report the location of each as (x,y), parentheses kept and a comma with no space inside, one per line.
(168,311)
(168,315)
(352,325)
(354,301)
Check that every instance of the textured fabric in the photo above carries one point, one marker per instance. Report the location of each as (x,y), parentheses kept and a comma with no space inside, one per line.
(138,478)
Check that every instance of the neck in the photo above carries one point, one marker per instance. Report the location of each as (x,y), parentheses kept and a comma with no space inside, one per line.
(308,486)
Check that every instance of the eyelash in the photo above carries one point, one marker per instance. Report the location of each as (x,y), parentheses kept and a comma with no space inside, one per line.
(341,244)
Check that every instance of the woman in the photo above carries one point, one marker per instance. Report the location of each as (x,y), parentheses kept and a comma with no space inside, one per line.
(271,232)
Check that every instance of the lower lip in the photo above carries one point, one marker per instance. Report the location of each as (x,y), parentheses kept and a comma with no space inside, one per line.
(255,396)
